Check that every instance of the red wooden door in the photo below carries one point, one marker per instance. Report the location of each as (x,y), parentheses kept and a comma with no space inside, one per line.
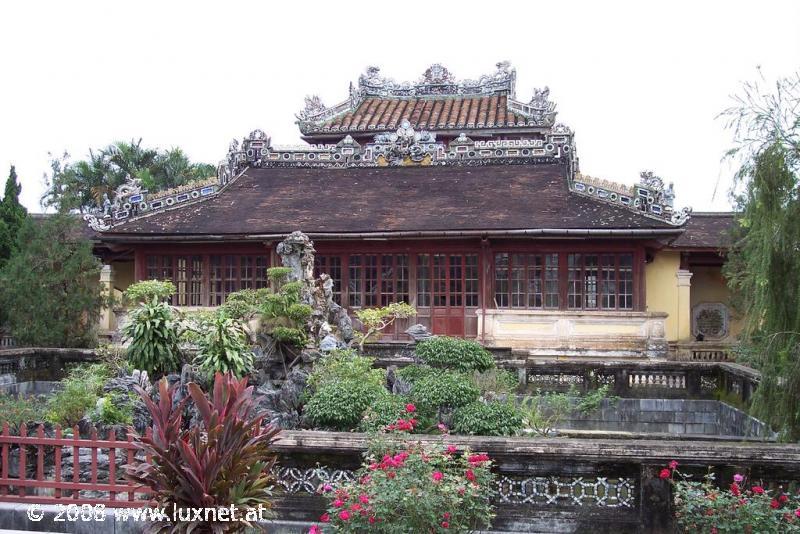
(448,306)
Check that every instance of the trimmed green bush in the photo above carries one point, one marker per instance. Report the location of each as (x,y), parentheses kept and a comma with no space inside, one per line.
(342,365)
(412,373)
(454,353)
(149,290)
(492,418)
(443,389)
(386,410)
(341,405)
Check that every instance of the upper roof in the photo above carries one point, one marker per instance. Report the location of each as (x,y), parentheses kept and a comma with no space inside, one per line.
(409,200)
(436,102)
(707,230)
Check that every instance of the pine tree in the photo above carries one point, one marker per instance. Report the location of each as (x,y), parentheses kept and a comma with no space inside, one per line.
(49,286)
(12,215)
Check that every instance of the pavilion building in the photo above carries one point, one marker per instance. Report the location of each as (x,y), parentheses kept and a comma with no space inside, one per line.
(453,196)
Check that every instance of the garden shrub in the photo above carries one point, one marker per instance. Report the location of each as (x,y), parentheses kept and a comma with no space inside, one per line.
(443,389)
(412,373)
(284,315)
(496,381)
(224,461)
(242,305)
(154,337)
(493,418)
(114,409)
(78,394)
(341,405)
(384,411)
(149,290)
(341,365)
(416,489)
(20,409)
(224,348)
(454,353)
(704,506)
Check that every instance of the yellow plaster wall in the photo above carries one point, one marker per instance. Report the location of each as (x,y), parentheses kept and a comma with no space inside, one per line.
(708,285)
(123,274)
(662,293)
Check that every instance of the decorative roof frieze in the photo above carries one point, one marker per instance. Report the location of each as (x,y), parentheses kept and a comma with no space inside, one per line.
(649,195)
(436,82)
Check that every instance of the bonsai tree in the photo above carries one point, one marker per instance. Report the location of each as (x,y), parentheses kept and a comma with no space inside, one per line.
(376,320)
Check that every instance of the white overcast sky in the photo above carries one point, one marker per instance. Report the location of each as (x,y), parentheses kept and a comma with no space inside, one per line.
(640,83)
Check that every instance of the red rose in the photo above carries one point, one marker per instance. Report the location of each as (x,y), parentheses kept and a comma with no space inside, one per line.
(437,476)
(445,524)
(665,473)
(470,475)
(410,408)
(735,489)
(673,465)
(372,520)
(758,490)
(774,504)
(325,517)
(344,515)
(446,515)
(783,498)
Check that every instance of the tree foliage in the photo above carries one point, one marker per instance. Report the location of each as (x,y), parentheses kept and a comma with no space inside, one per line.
(12,215)
(763,267)
(49,287)
(80,185)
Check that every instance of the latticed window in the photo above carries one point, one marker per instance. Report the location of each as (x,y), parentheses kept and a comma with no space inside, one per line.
(447,280)
(602,281)
(376,279)
(423,280)
(526,281)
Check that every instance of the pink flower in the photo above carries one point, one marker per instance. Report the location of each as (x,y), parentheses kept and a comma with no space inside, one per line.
(673,465)
(735,489)
(797,512)
(665,473)
(327,488)
(738,478)
(758,490)
(363,498)
(325,517)
(314,530)
(774,504)
(338,503)
(437,476)
(446,515)
(451,449)
(372,520)
(410,408)
(783,498)
(344,515)
(470,475)
(445,524)
(442,428)
(477,459)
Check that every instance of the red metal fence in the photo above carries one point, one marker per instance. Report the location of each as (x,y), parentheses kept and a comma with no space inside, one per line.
(48,486)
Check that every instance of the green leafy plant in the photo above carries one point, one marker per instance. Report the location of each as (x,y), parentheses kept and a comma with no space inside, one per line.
(542,413)
(341,405)
(384,411)
(703,506)
(20,409)
(494,382)
(454,353)
(224,348)
(149,290)
(282,311)
(412,373)
(491,418)
(114,409)
(343,365)
(591,400)
(376,320)
(77,395)
(223,462)
(154,338)
(443,390)
(411,490)
(244,304)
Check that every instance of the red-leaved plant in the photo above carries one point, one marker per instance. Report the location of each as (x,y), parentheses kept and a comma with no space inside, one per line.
(224,462)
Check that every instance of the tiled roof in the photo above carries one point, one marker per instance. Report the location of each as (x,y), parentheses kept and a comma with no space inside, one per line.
(490,198)
(706,230)
(428,113)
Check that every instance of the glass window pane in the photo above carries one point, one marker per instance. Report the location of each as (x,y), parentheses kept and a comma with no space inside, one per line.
(501,280)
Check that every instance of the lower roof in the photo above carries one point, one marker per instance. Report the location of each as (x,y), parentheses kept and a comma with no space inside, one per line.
(707,231)
(424,200)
